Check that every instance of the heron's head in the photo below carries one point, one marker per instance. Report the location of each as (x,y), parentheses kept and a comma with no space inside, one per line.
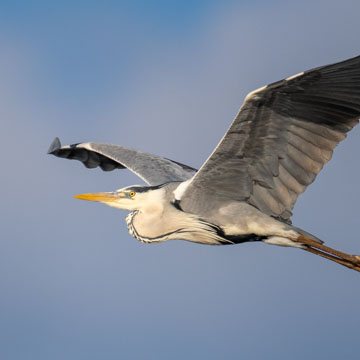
(135,197)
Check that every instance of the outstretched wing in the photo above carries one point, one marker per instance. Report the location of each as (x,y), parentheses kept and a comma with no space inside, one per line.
(153,169)
(279,141)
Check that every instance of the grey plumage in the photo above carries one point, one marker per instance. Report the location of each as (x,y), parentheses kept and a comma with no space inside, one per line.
(152,169)
(282,136)
(279,141)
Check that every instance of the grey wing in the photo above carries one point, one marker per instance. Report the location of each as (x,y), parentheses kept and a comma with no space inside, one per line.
(153,169)
(279,141)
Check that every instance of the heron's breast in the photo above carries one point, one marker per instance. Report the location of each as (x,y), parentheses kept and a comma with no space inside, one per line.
(151,228)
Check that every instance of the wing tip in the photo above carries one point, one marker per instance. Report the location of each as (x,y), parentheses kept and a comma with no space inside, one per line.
(55,145)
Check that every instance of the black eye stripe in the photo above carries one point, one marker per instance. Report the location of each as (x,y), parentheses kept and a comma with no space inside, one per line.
(142,189)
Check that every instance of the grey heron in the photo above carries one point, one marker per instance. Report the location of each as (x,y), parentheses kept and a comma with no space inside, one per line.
(278,142)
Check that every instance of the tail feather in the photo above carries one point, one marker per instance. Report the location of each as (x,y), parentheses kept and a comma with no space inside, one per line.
(307,235)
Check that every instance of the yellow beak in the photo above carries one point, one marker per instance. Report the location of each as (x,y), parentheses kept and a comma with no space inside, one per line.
(103,197)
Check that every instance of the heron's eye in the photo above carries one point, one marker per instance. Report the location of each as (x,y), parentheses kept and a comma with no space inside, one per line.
(132,193)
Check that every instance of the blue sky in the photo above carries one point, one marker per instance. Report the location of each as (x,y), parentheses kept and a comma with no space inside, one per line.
(166,77)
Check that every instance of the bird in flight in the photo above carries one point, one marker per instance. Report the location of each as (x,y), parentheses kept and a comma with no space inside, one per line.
(278,142)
